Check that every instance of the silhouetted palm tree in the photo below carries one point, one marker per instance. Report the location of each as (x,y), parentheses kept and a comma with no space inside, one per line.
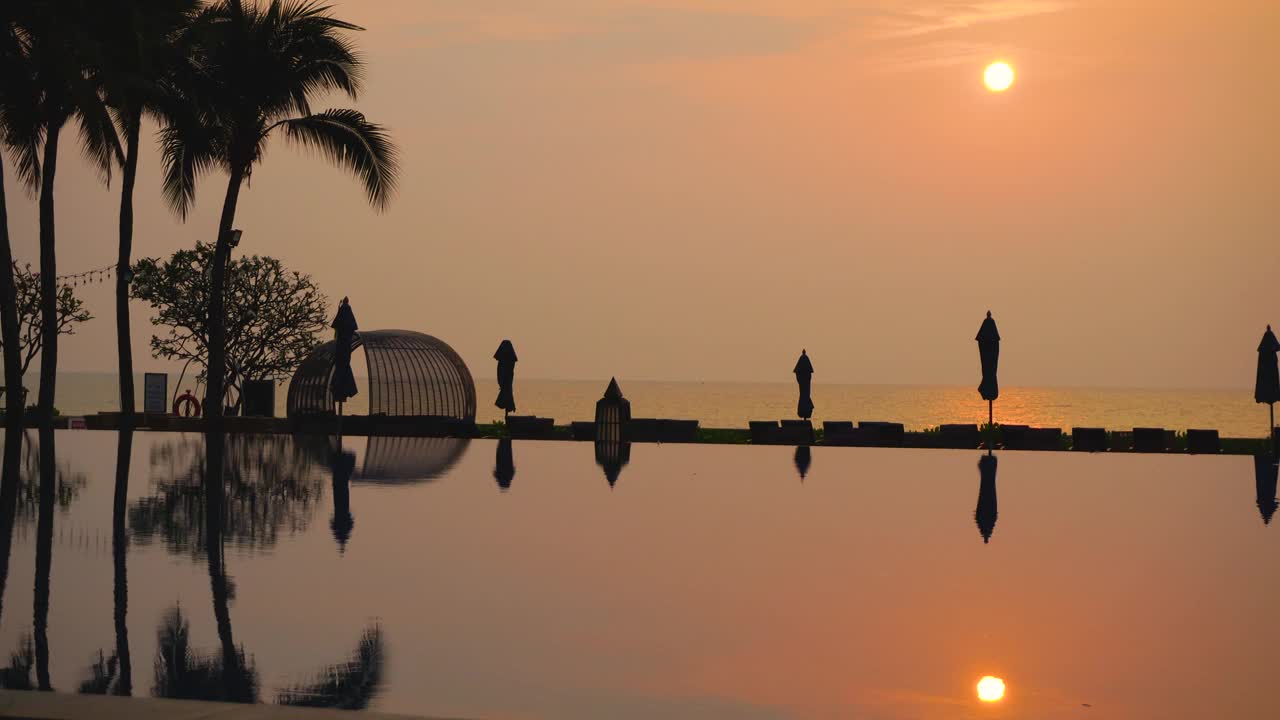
(15,107)
(139,44)
(59,48)
(256,69)
(17,125)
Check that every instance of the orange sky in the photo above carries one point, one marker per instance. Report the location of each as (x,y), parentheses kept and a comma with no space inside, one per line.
(696,189)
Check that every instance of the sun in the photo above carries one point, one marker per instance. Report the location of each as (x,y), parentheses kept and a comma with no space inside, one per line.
(990,689)
(998,76)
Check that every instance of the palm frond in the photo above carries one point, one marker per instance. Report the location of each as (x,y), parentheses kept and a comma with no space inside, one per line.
(20,128)
(349,140)
(98,137)
(24,138)
(188,150)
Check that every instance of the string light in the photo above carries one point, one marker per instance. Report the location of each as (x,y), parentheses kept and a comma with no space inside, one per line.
(87,277)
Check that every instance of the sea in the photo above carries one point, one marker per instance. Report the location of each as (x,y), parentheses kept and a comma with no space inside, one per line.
(731,405)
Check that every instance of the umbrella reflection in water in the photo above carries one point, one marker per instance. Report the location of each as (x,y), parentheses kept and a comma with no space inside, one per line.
(987,511)
(504,465)
(342,464)
(1264,474)
(803,459)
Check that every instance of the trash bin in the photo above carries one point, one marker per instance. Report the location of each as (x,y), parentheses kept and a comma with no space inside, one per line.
(259,398)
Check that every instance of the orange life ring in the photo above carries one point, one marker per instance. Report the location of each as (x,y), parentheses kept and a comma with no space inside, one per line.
(186,405)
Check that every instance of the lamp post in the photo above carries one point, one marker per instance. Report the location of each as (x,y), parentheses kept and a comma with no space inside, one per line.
(233,242)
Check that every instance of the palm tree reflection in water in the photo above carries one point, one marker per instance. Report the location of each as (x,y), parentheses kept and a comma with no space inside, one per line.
(186,674)
(113,674)
(269,486)
(351,685)
(33,484)
(254,470)
(44,557)
(241,489)
(240,683)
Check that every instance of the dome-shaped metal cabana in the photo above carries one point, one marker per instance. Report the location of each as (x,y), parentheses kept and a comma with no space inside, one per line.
(411,374)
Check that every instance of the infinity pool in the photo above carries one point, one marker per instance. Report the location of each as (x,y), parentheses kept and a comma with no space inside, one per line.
(480,579)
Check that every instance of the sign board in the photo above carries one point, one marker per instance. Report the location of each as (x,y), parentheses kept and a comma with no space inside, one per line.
(155,393)
(77,423)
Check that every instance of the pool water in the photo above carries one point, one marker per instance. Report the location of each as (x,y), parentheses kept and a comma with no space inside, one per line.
(487,579)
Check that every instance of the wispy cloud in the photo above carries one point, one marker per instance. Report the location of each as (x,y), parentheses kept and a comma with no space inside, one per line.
(931,54)
(629,34)
(895,35)
(929,18)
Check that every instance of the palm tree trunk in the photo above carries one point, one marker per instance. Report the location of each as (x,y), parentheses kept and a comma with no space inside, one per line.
(216,370)
(119,548)
(123,338)
(13,438)
(48,280)
(9,338)
(44,555)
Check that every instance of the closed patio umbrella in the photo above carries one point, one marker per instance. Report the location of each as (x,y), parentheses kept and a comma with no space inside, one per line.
(804,376)
(1266,389)
(342,383)
(988,508)
(989,353)
(506,357)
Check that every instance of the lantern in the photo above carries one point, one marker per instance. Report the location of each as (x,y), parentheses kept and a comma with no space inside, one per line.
(613,413)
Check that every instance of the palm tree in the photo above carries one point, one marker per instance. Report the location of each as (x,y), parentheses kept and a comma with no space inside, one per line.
(256,69)
(17,110)
(140,41)
(59,48)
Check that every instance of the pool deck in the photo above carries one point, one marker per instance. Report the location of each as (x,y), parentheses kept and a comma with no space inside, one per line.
(28,705)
